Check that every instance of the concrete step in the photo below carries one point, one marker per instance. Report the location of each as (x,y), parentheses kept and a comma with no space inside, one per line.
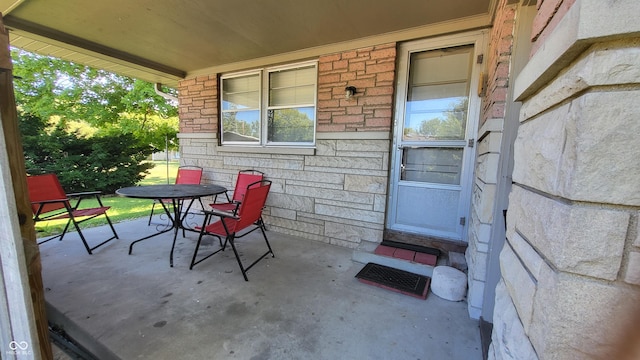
(76,340)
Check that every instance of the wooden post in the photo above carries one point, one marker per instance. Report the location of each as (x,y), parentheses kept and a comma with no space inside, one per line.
(34,324)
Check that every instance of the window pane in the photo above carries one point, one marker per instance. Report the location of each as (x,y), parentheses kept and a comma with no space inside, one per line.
(241,126)
(444,65)
(432,165)
(302,95)
(277,103)
(293,77)
(292,87)
(291,125)
(241,92)
(437,97)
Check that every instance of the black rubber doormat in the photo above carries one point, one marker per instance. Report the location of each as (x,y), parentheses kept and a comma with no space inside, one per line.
(394,279)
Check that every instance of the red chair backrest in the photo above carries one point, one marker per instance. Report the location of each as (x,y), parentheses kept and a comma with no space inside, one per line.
(251,207)
(245,178)
(46,188)
(189,176)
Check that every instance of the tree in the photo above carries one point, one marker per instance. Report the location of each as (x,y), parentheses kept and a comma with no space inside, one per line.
(104,161)
(47,87)
(92,128)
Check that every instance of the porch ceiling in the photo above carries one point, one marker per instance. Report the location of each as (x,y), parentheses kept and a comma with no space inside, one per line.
(164,41)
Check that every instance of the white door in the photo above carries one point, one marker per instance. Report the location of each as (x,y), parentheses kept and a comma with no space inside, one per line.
(437,109)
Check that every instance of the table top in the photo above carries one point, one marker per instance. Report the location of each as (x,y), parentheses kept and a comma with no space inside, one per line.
(170,191)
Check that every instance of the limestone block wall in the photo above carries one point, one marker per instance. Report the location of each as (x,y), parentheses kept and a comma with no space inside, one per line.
(337,192)
(337,196)
(570,284)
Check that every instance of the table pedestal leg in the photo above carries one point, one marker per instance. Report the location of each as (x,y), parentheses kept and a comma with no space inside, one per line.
(176,221)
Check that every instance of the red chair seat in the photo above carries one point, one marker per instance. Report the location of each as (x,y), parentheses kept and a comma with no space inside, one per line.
(222,227)
(83,212)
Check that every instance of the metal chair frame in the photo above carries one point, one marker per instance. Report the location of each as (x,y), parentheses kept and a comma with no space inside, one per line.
(248,213)
(50,202)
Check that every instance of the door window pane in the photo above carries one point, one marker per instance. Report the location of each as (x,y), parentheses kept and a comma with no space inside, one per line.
(432,165)
(437,95)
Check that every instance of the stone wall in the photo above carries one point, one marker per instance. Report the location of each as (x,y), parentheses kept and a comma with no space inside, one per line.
(337,194)
(550,13)
(570,268)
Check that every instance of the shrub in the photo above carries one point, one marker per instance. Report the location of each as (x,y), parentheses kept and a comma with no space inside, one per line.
(104,162)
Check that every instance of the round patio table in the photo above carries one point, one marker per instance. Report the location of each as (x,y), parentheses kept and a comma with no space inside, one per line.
(174,195)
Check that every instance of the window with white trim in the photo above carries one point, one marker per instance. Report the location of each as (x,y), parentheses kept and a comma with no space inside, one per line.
(270,107)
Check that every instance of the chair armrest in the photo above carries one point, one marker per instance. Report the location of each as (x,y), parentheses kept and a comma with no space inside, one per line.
(84,193)
(53,201)
(222,214)
(39,216)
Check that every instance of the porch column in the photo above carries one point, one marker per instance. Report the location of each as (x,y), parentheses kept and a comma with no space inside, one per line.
(23,322)
(570,285)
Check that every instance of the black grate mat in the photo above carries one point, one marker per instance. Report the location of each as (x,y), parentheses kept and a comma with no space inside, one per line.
(395,279)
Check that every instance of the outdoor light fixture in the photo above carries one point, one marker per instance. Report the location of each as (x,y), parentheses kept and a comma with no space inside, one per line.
(349,91)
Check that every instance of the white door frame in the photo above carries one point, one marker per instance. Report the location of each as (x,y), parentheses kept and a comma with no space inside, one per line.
(478,39)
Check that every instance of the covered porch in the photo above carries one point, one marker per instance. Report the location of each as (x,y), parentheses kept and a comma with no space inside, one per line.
(304,303)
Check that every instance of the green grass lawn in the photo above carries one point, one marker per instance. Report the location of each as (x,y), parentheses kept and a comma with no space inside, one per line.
(122,208)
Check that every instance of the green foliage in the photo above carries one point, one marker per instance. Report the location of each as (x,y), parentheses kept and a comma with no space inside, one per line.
(141,99)
(158,131)
(90,127)
(47,87)
(103,162)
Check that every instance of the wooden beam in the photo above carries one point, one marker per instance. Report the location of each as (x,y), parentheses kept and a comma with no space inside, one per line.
(29,331)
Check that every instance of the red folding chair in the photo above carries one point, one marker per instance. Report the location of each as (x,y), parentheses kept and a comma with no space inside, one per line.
(248,214)
(245,177)
(50,202)
(186,175)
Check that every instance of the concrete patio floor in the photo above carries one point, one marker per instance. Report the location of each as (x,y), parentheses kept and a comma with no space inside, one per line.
(303,304)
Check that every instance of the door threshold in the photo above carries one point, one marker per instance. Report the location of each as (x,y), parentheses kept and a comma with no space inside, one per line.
(411,247)
(401,238)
